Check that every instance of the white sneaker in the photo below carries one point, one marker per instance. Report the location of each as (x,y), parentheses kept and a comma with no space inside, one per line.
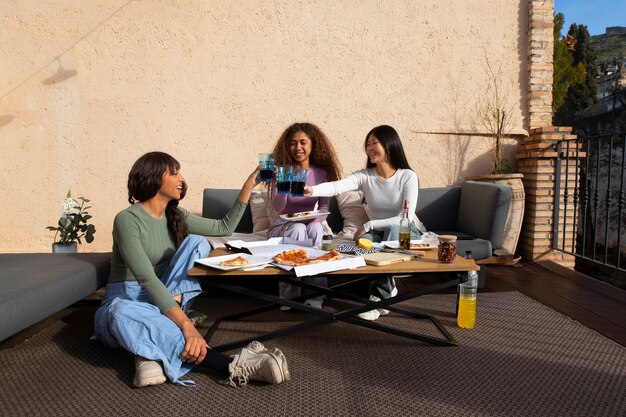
(314,303)
(147,372)
(258,347)
(369,315)
(256,363)
(384,311)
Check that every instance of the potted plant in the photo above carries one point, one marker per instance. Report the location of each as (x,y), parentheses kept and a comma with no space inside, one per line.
(72,225)
(495,115)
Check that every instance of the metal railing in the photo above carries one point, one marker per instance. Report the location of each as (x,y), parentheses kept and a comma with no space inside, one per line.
(589,199)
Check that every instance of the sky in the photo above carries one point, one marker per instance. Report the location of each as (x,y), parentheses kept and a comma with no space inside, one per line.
(595,14)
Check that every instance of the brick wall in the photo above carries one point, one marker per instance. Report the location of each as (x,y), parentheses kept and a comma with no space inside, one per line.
(537,157)
(540,50)
(537,160)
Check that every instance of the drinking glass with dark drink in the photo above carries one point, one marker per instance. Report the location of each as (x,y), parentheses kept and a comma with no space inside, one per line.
(298,181)
(267,172)
(283,179)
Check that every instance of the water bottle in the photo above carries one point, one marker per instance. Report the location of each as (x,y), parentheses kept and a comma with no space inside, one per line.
(466,301)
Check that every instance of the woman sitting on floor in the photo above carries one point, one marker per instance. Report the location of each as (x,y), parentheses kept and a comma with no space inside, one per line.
(149,291)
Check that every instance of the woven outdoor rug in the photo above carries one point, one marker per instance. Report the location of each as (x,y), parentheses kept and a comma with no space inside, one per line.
(521,359)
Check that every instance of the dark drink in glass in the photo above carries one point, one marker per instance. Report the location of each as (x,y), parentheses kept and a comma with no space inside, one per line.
(297,188)
(283,187)
(266,174)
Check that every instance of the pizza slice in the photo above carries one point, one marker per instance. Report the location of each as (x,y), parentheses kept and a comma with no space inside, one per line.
(298,257)
(294,257)
(238,261)
(300,214)
(332,255)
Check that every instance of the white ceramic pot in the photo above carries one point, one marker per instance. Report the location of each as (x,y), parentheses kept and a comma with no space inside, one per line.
(64,247)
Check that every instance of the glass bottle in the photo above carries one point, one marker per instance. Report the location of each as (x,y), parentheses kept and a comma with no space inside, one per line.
(405,227)
(466,314)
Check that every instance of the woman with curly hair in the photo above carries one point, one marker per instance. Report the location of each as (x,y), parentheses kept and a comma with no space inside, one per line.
(304,145)
(148,293)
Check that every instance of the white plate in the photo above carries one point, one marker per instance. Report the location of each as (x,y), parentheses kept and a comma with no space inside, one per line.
(214,262)
(394,244)
(312,215)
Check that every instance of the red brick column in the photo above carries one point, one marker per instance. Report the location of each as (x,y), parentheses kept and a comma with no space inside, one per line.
(537,160)
(540,51)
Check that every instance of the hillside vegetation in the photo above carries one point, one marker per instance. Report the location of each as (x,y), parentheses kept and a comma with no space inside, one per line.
(609,46)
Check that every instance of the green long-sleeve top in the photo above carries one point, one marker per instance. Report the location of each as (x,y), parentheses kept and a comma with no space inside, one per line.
(143,248)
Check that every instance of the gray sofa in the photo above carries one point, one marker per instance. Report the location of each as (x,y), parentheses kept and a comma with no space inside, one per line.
(474,211)
(34,286)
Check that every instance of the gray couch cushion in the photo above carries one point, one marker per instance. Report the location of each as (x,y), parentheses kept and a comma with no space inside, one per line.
(34,286)
(217,202)
(437,207)
(483,210)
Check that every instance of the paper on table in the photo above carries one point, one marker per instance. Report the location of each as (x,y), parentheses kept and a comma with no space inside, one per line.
(240,244)
(315,269)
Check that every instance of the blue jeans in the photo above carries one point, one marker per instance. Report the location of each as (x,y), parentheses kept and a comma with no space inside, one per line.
(127,319)
(383,287)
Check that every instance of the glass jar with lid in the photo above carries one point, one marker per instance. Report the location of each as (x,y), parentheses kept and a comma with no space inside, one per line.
(327,242)
(446,253)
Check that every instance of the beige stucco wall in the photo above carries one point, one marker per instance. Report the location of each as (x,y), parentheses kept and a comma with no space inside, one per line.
(87,87)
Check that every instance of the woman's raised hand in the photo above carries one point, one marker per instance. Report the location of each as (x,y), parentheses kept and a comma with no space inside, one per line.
(307,191)
(251,182)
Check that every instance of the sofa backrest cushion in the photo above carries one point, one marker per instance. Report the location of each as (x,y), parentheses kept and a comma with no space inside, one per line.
(216,203)
(437,207)
(483,210)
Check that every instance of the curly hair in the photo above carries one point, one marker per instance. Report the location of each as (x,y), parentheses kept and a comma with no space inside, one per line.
(322,151)
(144,181)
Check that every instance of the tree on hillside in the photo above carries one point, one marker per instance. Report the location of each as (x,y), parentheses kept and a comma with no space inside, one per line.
(581,94)
(565,72)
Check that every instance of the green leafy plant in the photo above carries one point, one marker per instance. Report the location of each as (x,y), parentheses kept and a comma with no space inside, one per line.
(73,224)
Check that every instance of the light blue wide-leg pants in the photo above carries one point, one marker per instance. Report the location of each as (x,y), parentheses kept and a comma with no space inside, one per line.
(127,319)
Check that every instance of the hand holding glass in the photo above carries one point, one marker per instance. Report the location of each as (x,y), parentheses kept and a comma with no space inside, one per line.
(267,172)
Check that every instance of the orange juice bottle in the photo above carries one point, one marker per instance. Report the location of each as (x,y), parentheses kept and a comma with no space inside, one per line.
(466,318)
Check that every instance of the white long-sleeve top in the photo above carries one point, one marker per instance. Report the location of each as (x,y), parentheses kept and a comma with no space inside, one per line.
(384,197)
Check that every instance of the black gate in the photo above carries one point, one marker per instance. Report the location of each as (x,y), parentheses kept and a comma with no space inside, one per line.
(589,200)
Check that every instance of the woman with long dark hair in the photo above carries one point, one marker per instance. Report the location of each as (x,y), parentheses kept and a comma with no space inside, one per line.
(303,145)
(386,182)
(149,292)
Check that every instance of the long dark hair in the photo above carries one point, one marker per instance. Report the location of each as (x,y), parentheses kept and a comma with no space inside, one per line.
(390,140)
(322,150)
(144,181)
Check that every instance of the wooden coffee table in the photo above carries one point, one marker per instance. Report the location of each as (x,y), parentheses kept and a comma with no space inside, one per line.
(230,281)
